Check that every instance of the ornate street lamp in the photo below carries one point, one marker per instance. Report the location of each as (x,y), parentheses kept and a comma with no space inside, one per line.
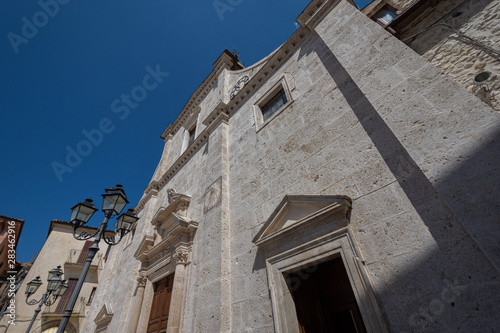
(56,287)
(114,200)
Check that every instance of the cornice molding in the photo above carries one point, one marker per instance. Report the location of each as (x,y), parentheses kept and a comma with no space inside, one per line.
(178,207)
(308,19)
(104,316)
(216,117)
(283,226)
(225,61)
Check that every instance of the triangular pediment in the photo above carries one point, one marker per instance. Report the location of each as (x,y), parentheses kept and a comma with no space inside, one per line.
(104,316)
(299,209)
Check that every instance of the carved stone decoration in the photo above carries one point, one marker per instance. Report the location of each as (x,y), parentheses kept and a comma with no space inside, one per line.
(238,86)
(213,195)
(141,281)
(172,195)
(103,318)
(181,257)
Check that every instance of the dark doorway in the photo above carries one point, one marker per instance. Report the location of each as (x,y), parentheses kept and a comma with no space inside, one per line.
(158,319)
(324,299)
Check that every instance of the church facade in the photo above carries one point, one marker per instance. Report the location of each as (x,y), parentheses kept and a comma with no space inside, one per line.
(342,182)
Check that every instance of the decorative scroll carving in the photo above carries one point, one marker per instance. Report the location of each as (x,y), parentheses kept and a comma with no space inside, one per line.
(141,281)
(172,195)
(181,257)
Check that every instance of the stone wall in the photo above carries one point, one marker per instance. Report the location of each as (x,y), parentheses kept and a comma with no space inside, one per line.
(455,54)
(370,119)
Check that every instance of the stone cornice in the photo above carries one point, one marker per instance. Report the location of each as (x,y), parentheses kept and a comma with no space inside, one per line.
(313,13)
(104,316)
(225,61)
(275,61)
(330,210)
(178,206)
(215,118)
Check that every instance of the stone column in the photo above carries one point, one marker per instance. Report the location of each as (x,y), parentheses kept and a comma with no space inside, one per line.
(137,306)
(174,316)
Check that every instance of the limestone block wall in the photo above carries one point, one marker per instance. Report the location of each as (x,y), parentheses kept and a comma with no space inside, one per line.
(374,121)
(370,119)
(455,54)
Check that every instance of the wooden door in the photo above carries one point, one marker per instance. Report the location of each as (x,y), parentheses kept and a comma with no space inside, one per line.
(64,299)
(158,319)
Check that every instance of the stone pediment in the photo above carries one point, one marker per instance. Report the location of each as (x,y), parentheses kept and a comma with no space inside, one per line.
(303,213)
(104,316)
(178,204)
(175,232)
(146,244)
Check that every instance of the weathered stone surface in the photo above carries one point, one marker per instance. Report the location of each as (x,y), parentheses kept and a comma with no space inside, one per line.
(371,119)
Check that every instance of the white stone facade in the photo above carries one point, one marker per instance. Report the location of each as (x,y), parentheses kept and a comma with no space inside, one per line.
(377,158)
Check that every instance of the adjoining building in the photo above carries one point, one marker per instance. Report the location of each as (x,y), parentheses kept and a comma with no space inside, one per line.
(10,231)
(459,37)
(341,182)
(12,272)
(60,248)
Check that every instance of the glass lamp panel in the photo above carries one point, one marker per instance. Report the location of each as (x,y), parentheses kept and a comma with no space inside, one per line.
(33,286)
(119,222)
(109,202)
(85,213)
(127,225)
(53,283)
(120,204)
(74,213)
(63,286)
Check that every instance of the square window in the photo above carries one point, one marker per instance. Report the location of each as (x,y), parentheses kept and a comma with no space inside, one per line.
(385,15)
(274,105)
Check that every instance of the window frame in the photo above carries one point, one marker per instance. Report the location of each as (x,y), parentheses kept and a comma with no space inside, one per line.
(191,134)
(281,85)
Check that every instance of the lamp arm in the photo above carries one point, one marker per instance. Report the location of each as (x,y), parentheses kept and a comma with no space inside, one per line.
(51,299)
(112,240)
(33,301)
(84,235)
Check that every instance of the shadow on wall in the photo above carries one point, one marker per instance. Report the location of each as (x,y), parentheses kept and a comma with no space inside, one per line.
(456,273)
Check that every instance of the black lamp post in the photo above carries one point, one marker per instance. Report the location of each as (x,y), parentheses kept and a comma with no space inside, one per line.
(56,287)
(114,200)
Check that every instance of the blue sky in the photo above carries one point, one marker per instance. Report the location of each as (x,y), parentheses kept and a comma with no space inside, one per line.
(63,78)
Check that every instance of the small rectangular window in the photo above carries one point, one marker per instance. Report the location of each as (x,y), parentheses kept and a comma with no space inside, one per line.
(192,135)
(91,298)
(274,105)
